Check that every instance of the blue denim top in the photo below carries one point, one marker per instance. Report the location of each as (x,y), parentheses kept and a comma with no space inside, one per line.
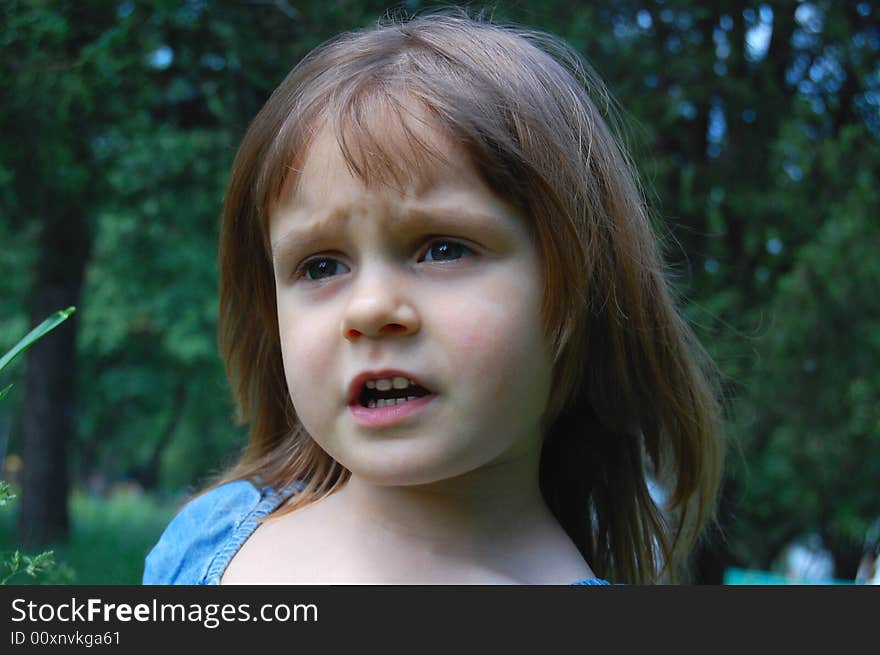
(199,542)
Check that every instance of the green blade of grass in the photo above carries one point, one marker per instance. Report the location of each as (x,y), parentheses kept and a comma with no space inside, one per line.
(38,332)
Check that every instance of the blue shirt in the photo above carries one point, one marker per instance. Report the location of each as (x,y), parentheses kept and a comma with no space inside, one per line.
(199,542)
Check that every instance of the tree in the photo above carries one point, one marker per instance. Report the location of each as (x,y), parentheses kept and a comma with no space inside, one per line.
(17,562)
(47,60)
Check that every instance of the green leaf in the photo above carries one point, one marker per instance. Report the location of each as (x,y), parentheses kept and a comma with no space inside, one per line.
(5,493)
(31,337)
(39,563)
(5,391)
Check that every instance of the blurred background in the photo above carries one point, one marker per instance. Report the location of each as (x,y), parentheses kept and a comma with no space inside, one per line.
(755,127)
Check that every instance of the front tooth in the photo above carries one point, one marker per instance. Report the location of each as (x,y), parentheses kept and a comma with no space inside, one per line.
(371,404)
(400,383)
(383,384)
(371,384)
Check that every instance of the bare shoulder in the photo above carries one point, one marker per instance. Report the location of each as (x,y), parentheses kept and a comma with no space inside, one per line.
(282,549)
(556,561)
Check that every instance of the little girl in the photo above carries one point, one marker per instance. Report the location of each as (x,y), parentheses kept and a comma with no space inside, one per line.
(444,318)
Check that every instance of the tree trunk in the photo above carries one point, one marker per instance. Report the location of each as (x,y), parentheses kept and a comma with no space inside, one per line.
(49,416)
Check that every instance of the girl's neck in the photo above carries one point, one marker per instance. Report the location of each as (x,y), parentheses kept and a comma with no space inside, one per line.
(473,512)
(490,526)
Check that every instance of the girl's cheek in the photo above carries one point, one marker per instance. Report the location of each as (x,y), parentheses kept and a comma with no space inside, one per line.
(311,362)
(303,356)
(491,343)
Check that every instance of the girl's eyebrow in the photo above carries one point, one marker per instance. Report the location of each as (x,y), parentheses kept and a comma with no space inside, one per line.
(309,232)
(454,217)
(438,218)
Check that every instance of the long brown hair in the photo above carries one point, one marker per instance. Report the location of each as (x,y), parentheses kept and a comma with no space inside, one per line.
(633,390)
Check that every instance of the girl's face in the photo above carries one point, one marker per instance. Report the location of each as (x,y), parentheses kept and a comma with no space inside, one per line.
(441,283)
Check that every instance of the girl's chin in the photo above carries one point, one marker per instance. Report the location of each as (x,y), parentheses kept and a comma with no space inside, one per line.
(419,471)
(414,473)
(401,477)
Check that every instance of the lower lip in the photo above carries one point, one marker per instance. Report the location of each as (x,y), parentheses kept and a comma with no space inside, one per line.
(379,417)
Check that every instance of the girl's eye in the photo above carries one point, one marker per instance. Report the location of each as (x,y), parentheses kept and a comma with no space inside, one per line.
(439,250)
(445,250)
(318,269)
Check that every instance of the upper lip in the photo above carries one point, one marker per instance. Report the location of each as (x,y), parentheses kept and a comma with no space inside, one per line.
(357,384)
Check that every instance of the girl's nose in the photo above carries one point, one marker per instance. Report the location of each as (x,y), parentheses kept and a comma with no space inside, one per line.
(379,309)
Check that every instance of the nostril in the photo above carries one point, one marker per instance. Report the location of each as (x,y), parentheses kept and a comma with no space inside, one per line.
(387,328)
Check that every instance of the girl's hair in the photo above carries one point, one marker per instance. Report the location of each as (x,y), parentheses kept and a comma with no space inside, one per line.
(632,391)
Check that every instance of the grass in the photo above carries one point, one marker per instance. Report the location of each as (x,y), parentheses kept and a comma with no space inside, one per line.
(109,538)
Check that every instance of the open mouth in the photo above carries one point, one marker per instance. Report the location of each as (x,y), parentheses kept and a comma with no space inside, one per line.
(374,397)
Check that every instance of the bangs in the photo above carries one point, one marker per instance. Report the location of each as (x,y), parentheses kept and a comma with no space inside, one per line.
(387,140)
(397,111)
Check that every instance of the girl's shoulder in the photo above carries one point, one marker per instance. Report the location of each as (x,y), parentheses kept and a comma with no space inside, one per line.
(203,536)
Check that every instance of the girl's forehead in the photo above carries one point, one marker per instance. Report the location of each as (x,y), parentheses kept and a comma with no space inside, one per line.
(407,153)
(428,174)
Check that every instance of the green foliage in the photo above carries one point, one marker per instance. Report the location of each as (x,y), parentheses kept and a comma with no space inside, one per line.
(813,463)
(6,495)
(34,335)
(41,566)
(17,563)
(109,537)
